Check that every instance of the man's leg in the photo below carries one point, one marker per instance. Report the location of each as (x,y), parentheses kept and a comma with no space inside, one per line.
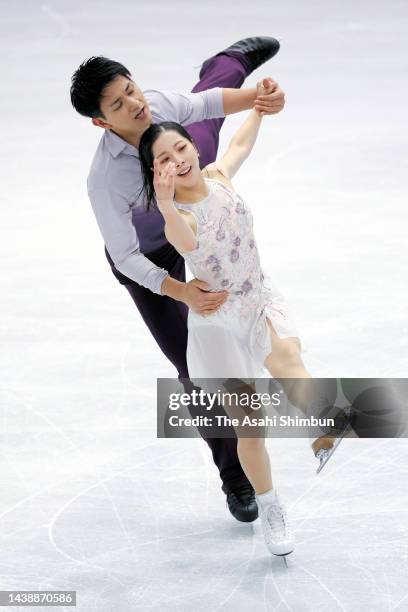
(227,69)
(221,71)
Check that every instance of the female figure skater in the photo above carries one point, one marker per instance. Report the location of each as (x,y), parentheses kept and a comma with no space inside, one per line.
(211,226)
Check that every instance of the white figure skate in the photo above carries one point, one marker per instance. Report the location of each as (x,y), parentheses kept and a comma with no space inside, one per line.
(277,534)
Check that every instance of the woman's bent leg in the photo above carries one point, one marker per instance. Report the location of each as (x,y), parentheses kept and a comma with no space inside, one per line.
(285,363)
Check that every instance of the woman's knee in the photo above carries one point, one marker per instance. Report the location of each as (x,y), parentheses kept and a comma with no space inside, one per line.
(285,355)
(250,444)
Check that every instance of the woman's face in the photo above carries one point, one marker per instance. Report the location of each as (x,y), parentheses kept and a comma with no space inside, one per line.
(170,146)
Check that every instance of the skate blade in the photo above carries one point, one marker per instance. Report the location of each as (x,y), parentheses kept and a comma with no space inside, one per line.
(333,448)
(283,557)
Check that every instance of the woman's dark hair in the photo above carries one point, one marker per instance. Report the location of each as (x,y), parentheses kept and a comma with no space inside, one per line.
(89,81)
(146,155)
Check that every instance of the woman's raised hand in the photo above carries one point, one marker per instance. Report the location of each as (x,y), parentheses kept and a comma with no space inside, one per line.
(261,90)
(163,183)
(271,100)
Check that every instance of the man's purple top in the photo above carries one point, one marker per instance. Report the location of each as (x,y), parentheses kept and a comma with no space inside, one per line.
(115,187)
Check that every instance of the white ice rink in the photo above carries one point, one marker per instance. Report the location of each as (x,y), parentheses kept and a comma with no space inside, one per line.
(90,500)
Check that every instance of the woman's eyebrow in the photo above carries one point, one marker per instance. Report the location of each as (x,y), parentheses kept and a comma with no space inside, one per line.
(160,154)
(164,152)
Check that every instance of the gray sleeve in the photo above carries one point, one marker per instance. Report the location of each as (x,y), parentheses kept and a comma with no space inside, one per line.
(186,108)
(114,219)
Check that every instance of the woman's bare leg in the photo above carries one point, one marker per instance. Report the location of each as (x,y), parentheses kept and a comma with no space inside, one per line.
(254,460)
(285,362)
(252,452)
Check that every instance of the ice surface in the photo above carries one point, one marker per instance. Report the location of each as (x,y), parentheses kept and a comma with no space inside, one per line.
(90,499)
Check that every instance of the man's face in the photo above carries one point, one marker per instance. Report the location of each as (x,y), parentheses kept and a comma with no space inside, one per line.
(125,109)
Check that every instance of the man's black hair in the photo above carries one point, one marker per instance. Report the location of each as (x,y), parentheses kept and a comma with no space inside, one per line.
(89,81)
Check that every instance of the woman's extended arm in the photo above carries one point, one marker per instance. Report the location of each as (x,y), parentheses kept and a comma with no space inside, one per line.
(241,144)
(176,229)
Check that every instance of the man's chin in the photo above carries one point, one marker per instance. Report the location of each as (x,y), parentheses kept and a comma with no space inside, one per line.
(141,125)
(148,117)
(135,128)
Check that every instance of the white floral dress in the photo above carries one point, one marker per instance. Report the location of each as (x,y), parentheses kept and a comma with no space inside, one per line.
(234,341)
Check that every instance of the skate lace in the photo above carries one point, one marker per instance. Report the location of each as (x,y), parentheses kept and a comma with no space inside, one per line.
(277,519)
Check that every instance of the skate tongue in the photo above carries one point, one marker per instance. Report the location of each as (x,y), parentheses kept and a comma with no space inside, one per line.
(270,497)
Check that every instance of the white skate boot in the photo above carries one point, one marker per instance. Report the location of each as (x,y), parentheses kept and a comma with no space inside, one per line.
(278,537)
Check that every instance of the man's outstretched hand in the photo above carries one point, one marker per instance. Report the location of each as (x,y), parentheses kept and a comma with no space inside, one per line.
(272,99)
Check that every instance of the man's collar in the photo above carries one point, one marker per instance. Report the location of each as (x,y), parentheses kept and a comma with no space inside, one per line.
(117,145)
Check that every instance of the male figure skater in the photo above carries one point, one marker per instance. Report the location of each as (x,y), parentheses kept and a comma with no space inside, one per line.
(135,245)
